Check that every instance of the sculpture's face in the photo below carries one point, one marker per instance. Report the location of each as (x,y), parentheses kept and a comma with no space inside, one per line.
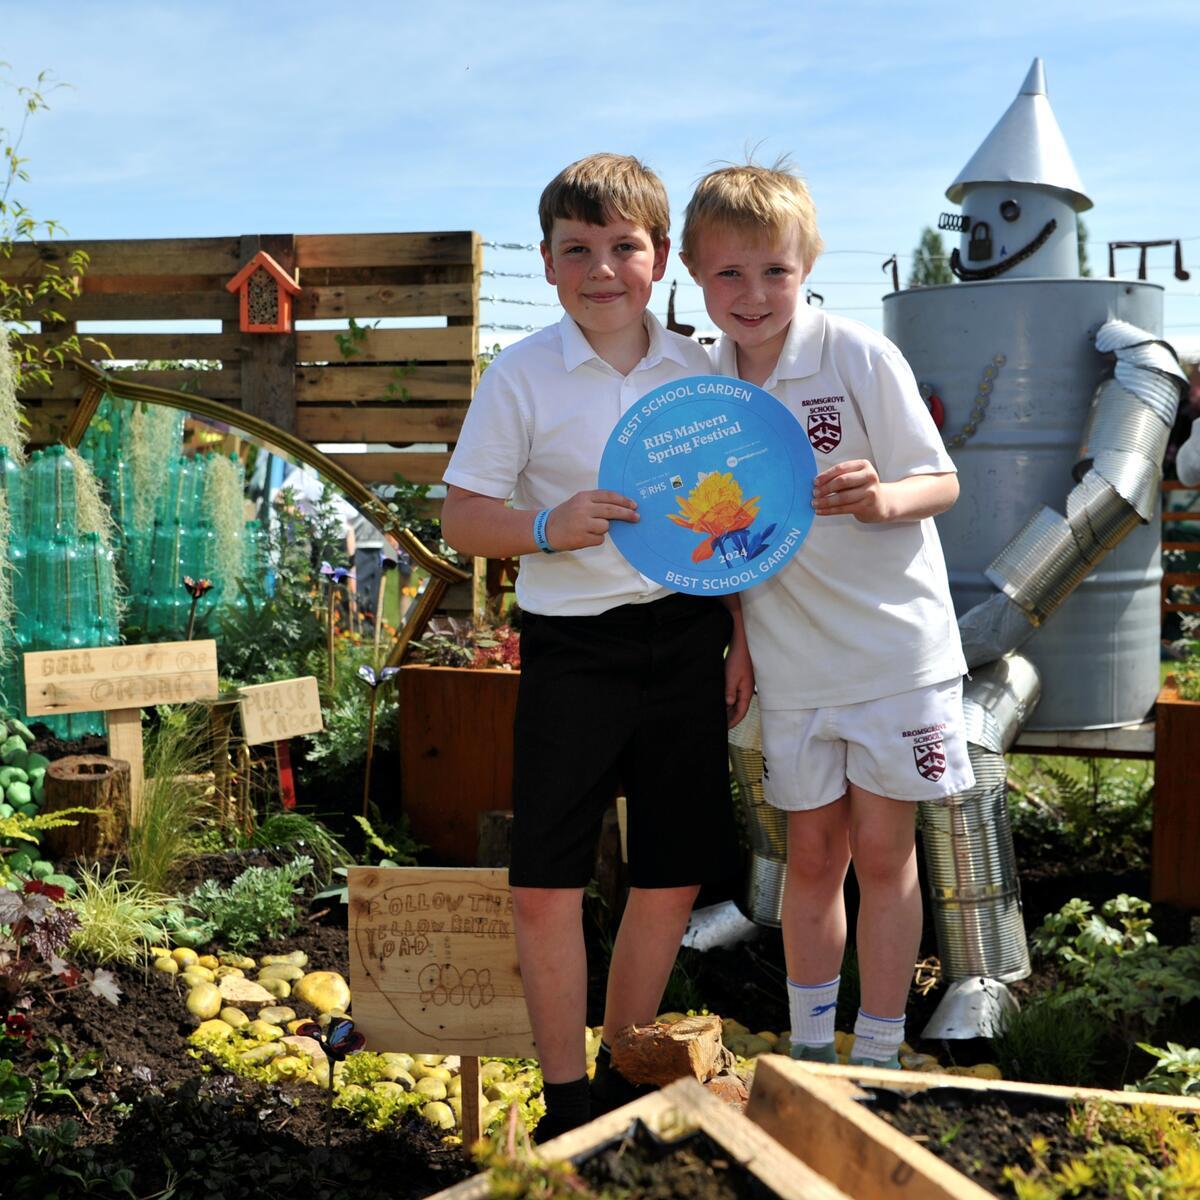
(1014,230)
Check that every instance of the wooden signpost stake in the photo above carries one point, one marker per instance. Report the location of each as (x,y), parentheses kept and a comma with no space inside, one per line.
(120,681)
(277,712)
(433,969)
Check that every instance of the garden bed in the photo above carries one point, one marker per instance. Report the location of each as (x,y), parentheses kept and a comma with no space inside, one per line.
(731,1159)
(878,1133)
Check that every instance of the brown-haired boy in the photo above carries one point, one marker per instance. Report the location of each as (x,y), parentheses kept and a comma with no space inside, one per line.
(622,682)
(855,641)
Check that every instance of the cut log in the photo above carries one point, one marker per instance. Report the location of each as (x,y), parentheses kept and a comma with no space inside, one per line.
(95,782)
(659,1054)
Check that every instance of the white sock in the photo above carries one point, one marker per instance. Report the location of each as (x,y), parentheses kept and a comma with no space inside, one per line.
(877,1038)
(813,1008)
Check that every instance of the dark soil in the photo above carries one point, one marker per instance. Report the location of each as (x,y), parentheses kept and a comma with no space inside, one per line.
(690,1168)
(159,1112)
(981,1135)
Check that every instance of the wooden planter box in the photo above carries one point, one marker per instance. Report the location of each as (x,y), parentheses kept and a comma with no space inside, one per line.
(677,1110)
(1175,857)
(456,730)
(812,1110)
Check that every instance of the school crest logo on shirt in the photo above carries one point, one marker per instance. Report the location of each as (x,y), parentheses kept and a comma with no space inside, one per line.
(931,760)
(825,430)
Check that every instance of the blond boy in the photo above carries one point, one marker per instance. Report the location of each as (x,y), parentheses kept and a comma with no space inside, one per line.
(855,643)
(623,683)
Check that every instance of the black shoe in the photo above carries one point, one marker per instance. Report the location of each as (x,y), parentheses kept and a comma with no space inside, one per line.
(610,1089)
(568,1106)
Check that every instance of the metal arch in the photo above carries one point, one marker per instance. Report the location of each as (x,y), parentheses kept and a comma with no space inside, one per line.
(441,573)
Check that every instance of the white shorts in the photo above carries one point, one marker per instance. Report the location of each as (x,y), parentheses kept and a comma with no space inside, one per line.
(911,746)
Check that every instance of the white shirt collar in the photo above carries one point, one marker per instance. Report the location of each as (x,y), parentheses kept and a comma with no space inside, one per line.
(577,350)
(801,352)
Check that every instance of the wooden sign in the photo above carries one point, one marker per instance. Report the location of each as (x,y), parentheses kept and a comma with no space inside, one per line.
(433,962)
(120,681)
(274,712)
(104,678)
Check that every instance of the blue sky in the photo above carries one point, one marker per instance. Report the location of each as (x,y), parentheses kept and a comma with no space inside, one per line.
(218,118)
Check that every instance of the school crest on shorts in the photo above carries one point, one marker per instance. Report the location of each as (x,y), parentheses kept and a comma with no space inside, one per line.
(931,760)
(825,431)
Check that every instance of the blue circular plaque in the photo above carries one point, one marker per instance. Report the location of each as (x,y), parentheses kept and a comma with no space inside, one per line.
(722,474)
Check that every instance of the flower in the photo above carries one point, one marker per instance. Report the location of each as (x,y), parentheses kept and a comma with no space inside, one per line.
(337,1039)
(367,673)
(17,1025)
(335,575)
(715,507)
(196,587)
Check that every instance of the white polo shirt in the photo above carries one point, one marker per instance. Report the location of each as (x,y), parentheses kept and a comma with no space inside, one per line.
(861,611)
(536,430)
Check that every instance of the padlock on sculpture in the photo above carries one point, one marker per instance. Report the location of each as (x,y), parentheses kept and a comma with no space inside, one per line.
(979,248)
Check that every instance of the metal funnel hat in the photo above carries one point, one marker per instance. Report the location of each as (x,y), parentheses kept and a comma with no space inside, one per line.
(1026,146)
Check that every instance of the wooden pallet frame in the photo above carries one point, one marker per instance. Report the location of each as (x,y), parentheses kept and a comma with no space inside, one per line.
(812,1110)
(677,1110)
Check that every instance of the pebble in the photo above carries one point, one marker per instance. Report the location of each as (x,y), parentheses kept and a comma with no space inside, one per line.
(238,990)
(324,990)
(276,1014)
(204,1001)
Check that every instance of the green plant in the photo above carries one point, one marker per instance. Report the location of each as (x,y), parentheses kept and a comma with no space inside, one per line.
(1084,811)
(35,292)
(1052,1039)
(408,502)
(1120,970)
(304,833)
(46,1162)
(403,855)
(277,627)
(118,918)
(1177,1071)
(174,800)
(258,905)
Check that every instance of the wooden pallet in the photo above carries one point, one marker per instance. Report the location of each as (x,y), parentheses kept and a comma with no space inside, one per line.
(677,1110)
(814,1111)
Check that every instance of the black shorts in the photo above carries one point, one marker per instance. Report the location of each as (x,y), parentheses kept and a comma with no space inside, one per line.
(633,698)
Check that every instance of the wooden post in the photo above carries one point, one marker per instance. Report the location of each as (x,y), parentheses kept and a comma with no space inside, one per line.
(120,681)
(95,782)
(269,359)
(472,1100)
(495,838)
(1175,852)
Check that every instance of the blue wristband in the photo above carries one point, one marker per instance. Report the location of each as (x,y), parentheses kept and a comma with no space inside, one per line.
(539,531)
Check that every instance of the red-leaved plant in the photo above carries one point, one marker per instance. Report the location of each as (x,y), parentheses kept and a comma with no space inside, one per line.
(39,930)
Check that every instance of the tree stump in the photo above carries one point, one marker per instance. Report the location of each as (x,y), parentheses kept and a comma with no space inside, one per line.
(658,1054)
(95,782)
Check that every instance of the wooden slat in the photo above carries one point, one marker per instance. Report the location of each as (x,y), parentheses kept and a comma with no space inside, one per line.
(1181,578)
(403,424)
(148,346)
(675,1112)
(389,345)
(156,285)
(1183,547)
(1173,485)
(382,249)
(1190,515)
(446,299)
(365,384)
(1186,608)
(921,1081)
(143,256)
(220,385)
(168,306)
(420,467)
